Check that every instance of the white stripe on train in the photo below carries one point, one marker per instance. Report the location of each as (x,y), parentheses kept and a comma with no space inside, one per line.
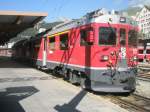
(80,66)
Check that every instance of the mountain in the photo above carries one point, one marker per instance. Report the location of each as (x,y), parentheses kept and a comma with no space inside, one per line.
(132,10)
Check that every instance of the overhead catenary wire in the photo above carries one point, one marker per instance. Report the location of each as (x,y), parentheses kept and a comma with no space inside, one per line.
(59,7)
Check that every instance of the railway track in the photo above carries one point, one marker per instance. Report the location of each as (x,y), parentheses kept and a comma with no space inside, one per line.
(144,72)
(133,103)
(144,75)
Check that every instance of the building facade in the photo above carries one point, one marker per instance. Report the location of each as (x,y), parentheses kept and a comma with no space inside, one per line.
(5,50)
(143,20)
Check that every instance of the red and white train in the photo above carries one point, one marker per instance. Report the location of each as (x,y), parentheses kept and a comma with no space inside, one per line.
(144,53)
(97,51)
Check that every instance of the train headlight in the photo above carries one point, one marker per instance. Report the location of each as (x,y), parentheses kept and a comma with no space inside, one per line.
(105,58)
(122,20)
(135,58)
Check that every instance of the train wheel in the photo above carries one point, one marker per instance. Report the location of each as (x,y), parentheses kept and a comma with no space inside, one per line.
(73,78)
(38,67)
(85,83)
(54,71)
(70,77)
(82,83)
(66,74)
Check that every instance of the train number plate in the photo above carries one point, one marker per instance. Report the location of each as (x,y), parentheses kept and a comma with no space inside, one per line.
(123,52)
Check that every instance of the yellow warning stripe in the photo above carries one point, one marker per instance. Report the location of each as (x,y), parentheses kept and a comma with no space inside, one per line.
(56,34)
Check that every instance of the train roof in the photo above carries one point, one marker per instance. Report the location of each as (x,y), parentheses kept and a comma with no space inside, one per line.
(40,35)
(98,16)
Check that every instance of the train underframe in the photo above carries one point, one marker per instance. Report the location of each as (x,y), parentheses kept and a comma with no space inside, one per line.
(100,80)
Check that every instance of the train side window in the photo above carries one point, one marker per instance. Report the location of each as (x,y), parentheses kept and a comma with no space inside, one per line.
(52,43)
(132,38)
(64,41)
(83,35)
(148,51)
(107,36)
(122,37)
(140,51)
(84,39)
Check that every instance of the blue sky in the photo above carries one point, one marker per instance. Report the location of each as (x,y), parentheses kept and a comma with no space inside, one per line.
(62,8)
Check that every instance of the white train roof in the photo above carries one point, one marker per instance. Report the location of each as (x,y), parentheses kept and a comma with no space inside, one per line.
(98,16)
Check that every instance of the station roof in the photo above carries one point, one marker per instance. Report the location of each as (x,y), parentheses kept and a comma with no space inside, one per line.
(14,22)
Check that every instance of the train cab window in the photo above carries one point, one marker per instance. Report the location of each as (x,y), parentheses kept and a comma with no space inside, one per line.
(132,38)
(122,37)
(85,37)
(148,51)
(52,43)
(64,41)
(140,51)
(107,36)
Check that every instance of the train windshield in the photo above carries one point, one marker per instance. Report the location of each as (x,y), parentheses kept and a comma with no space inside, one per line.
(132,38)
(107,36)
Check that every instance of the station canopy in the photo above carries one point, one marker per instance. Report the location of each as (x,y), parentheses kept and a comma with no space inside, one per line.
(14,22)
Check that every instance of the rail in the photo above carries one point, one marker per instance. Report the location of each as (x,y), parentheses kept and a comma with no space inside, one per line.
(133,102)
(144,72)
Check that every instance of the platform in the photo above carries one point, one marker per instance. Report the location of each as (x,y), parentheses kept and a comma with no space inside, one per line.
(25,89)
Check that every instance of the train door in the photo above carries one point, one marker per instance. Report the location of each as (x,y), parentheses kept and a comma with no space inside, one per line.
(44,58)
(122,47)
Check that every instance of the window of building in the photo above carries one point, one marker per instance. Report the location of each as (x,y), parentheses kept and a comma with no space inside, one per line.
(52,43)
(64,41)
(107,36)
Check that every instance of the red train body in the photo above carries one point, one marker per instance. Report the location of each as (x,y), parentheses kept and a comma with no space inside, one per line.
(148,53)
(144,54)
(97,51)
(141,54)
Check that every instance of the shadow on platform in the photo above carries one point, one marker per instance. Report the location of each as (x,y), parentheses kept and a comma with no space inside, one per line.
(71,105)
(7,62)
(10,97)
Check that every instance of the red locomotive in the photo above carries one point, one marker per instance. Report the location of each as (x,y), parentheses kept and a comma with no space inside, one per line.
(141,55)
(144,53)
(98,51)
(148,52)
